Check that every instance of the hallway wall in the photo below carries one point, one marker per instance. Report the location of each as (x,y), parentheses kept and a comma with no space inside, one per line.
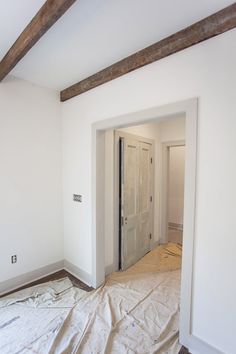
(176,185)
(31,224)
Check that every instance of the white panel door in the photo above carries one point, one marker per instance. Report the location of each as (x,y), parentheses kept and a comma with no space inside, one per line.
(130,203)
(136,210)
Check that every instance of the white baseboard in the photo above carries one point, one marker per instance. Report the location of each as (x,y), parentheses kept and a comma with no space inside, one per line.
(27,278)
(78,273)
(173,225)
(24,279)
(196,345)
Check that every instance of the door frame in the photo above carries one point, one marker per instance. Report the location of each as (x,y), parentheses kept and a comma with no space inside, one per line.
(165,150)
(160,113)
(117,135)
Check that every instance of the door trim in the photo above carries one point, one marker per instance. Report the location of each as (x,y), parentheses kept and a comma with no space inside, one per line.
(188,107)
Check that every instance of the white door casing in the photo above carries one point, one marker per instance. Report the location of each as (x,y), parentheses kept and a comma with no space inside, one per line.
(189,107)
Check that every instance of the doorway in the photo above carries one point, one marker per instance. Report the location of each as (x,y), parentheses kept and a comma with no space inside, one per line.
(136,177)
(167,112)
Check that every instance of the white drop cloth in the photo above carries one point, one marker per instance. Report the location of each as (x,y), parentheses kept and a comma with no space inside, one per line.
(136,311)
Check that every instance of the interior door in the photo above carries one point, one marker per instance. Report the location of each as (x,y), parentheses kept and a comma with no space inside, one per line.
(130,202)
(135,206)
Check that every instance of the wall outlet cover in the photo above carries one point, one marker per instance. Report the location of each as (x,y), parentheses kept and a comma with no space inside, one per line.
(14,259)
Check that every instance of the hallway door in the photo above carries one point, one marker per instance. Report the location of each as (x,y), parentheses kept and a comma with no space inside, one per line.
(136,180)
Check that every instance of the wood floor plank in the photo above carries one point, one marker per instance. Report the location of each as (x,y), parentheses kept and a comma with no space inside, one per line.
(55,276)
(184,350)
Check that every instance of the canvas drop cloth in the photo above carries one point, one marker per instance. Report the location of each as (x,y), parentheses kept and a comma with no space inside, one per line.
(136,311)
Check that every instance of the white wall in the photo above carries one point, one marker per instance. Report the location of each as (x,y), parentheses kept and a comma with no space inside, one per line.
(30,178)
(172,130)
(176,184)
(149,130)
(207,71)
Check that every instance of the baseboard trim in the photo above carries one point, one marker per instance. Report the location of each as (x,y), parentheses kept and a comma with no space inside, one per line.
(24,279)
(78,273)
(196,345)
(173,225)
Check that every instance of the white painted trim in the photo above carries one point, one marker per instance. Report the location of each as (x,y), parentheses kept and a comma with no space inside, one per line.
(98,167)
(173,225)
(164,187)
(116,203)
(98,204)
(78,273)
(189,107)
(37,274)
(24,279)
(198,346)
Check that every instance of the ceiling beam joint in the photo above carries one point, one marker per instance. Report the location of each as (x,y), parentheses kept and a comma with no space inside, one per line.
(48,14)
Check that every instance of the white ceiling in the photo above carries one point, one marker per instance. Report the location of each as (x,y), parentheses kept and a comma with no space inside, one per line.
(94,34)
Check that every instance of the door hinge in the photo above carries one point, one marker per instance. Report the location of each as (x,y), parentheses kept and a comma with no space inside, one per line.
(151,159)
(151,199)
(122,221)
(150,236)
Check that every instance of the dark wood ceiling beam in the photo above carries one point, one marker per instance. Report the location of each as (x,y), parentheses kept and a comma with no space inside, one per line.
(48,14)
(209,27)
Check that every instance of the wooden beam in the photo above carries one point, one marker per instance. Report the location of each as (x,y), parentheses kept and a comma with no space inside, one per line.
(209,27)
(49,13)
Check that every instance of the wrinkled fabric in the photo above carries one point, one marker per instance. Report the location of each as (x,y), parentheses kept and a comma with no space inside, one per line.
(136,311)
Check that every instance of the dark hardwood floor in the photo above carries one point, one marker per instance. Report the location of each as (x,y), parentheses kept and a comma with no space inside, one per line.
(76,282)
(55,276)
(184,350)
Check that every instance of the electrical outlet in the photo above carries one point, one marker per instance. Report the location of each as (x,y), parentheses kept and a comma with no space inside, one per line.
(77,198)
(14,258)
